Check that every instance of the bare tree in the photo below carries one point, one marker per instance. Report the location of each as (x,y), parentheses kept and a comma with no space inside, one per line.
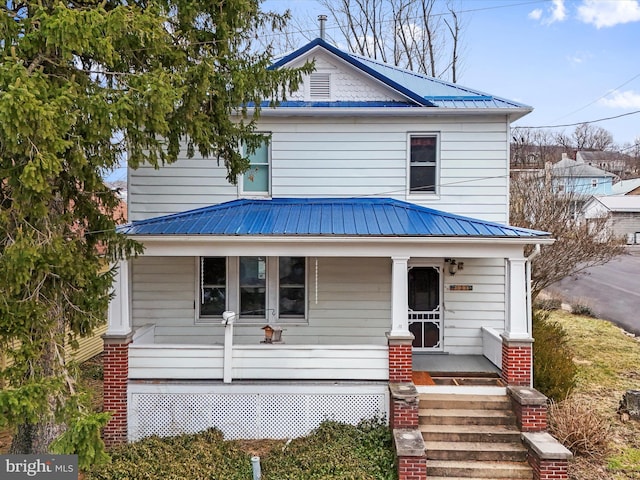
(587,137)
(579,244)
(412,34)
(533,148)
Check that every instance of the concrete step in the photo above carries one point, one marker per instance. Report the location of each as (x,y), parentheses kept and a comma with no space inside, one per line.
(442,416)
(470,433)
(464,402)
(484,451)
(471,469)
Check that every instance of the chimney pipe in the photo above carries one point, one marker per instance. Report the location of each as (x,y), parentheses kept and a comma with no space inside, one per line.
(322,19)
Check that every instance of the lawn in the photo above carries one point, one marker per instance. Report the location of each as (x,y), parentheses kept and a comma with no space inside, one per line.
(608,362)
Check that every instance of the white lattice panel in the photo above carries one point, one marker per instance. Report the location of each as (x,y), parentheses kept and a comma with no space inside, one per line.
(250,414)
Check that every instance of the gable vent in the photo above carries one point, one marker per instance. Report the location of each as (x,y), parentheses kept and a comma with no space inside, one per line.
(320,85)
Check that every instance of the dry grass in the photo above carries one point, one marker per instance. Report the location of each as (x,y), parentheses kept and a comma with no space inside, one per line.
(608,362)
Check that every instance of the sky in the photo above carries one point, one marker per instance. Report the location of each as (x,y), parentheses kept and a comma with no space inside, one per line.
(573,61)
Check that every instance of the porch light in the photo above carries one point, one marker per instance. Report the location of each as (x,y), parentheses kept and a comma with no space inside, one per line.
(272,334)
(453,265)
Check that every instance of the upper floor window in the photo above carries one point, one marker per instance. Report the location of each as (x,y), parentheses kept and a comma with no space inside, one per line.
(594,183)
(423,163)
(256,180)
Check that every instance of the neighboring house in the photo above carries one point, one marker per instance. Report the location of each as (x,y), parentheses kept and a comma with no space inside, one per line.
(371,233)
(614,162)
(626,187)
(623,212)
(580,179)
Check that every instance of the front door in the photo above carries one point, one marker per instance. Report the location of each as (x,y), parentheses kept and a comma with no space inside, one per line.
(425,310)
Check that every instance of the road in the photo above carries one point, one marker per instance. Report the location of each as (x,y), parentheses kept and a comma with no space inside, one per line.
(611,290)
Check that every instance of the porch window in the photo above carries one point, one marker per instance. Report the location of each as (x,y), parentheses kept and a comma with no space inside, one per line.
(253,286)
(213,286)
(292,287)
(255,181)
(423,163)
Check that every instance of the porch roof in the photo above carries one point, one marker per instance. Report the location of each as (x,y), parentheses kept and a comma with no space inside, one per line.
(347,217)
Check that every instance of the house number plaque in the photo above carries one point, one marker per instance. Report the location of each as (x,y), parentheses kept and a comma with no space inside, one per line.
(460,288)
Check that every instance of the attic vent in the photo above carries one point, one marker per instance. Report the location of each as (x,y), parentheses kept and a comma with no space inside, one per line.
(320,85)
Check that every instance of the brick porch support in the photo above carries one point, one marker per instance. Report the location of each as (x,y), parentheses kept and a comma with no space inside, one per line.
(517,361)
(530,408)
(410,450)
(400,358)
(116,373)
(548,458)
(404,405)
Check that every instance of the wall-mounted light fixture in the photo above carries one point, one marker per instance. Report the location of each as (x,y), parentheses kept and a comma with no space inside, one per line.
(454,266)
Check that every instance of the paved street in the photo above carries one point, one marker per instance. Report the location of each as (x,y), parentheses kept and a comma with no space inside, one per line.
(611,290)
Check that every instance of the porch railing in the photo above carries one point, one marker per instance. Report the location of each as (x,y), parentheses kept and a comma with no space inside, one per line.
(149,360)
(492,345)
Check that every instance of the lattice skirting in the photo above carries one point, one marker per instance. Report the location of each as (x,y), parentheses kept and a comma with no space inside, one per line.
(265,410)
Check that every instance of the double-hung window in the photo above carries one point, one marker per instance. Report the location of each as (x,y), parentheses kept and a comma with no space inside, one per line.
(257,179)
(423,163)
(213,286)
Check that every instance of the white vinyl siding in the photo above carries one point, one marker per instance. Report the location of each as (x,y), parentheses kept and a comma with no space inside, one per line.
(347,157)
(353,304)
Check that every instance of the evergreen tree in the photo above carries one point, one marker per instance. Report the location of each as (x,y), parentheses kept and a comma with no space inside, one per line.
(85,84)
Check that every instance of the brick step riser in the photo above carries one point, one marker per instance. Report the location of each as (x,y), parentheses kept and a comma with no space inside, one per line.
(488,472)
(485,456)
(507,437)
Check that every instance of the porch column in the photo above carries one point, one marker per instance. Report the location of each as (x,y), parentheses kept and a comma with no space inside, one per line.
(400,338)
(116,358)
(517,342)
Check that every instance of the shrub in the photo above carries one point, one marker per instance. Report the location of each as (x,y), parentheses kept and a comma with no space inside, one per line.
(579,427)
(548,304)
(583,309)
(554,373)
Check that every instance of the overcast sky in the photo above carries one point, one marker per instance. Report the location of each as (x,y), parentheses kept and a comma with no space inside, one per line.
(572,60)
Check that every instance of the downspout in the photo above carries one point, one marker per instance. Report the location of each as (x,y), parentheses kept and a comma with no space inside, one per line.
(527,269)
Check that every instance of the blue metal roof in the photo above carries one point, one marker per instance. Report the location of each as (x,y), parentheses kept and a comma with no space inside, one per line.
(369,217)
(422,89)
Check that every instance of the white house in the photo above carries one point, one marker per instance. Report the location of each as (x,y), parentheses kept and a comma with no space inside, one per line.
(623,212)
(371,231)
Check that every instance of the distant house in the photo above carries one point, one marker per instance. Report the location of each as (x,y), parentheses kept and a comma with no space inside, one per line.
(580,179)
(626,187)
(614,162)
(623,212)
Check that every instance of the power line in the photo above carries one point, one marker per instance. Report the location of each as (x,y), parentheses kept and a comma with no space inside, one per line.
(635,112)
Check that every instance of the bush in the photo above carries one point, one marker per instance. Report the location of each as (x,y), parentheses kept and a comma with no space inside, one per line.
(548,304)
(554,373)
(579,427)
(583,309)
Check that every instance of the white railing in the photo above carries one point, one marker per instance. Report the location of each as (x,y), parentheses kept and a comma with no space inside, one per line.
(148,360)
(492,345)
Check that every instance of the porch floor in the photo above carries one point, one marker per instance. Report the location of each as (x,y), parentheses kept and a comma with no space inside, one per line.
(454,365)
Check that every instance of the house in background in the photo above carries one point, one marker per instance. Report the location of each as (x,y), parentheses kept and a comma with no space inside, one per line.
(580,179)
(617,163)
(371,233)
(626,187)
(623,212)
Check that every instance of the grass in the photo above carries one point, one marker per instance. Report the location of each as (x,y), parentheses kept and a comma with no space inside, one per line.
(608,363)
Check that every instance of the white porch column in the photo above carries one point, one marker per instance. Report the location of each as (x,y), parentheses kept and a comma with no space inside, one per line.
(517,321)
(399,297)
(119,318)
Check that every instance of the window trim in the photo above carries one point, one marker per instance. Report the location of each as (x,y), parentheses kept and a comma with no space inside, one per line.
(252,193)
(435,194)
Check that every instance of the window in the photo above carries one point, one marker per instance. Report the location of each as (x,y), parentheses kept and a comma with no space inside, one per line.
(423,153)
(292,287)
(213,286)
(256,179)
(259,289)
(253,287)
(594,183)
